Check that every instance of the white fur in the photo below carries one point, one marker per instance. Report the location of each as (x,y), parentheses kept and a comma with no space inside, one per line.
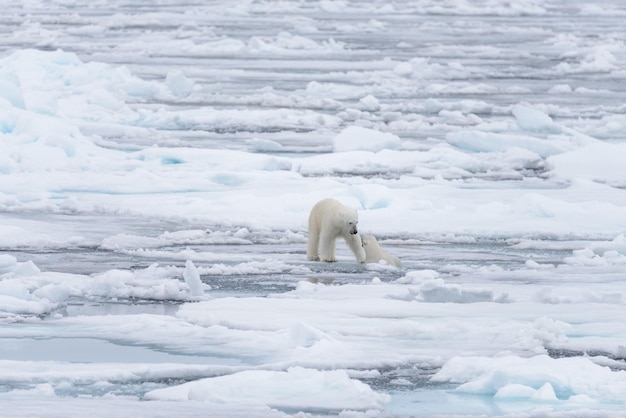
(329,220)
(374,253)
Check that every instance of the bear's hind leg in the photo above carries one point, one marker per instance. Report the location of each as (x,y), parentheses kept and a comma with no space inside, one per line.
(312,245)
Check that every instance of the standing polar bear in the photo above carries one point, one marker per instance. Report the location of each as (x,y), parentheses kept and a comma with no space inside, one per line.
(329,220)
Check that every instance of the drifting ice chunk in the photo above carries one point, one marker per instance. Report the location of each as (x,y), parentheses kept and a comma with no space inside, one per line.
(404,69)
(355,138)
(192,278)
(540,378)
(545,393)
(295,388)
(7,263)
(179,84)
(478,141)
(529,119)
(27,268)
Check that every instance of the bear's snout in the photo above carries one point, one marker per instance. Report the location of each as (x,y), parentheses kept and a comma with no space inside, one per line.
(353,230)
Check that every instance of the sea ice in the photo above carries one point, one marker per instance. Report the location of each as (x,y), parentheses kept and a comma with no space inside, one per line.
(541,377)
(297,388)
(146,149)
(356,138)
(179,84)
(192,278)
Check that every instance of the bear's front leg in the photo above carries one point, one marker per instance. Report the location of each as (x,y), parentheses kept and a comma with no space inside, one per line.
(357,246)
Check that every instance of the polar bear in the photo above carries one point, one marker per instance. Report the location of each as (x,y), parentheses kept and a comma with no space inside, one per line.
(374,253)
(329,220)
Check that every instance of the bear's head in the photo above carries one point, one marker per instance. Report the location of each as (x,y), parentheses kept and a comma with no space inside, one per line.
(350,218)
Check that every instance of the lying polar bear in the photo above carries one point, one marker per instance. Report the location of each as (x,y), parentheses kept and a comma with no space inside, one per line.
(374,253)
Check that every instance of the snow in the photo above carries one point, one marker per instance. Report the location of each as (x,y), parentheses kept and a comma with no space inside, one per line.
(159,162)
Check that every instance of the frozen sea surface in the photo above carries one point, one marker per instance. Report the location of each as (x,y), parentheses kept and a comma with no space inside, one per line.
(160,159)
